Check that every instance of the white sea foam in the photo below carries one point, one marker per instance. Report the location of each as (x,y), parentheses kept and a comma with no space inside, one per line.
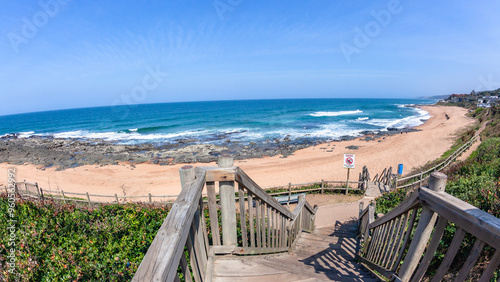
(334,114)
(26,134)
(363,118)
(133,129)
(411,121)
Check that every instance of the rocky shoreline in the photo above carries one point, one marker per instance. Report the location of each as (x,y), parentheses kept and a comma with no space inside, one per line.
(69,153)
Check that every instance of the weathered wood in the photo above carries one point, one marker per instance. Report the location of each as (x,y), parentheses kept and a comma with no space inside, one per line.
(479,223)
(398,238)
(186,173)
(385,272)
(258,251)
(220,174)
(88,200)
(450,255)
(251,219)
(437,182)
(223,250)
(471,261)
(390,242)
(406,240)
(250,185)
(263,222)
(164,254)
(257,223)
(192,256)
(185,268)
(409,203)
(212,211)
(243,223)
(228,212)
(268,221)
(492,267)
(431,249)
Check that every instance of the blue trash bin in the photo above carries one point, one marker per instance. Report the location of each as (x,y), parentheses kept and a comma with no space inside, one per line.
(400,169)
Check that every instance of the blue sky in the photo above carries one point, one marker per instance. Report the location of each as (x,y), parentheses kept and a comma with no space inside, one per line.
(58,54)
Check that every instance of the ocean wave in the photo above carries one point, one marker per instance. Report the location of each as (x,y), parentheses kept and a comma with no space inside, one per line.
(363,118)
(412,121)
(334,114)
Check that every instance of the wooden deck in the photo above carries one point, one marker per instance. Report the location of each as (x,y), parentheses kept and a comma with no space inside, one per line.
(326,255)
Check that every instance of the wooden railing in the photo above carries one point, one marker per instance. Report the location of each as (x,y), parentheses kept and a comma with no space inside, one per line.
(394,244)
(421,178)
(265,225)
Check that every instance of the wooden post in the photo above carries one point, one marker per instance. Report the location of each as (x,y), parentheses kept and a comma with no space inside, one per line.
(289,193)
(88,199)
(187,174)
(347,184)
(361,204)
(64,198)
(117,201)
(420,180)
(228,205)
(150,200)
(37,189)
(322,186)
(437,182)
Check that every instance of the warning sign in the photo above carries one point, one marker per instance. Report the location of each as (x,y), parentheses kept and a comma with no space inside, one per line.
(348,160)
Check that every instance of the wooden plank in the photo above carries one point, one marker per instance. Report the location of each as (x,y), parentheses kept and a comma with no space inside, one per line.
(374,242)
(383,240)
(203,227)
(257,223)
(248,183)
(222,250)
(164,254)
(251,219)
(215,173)
(479,223)
(268,227)
(450,255)
(385,272)
(492,267)
(431,249)
(185,268)
(198,242)
(273,230)
(390,250)
(390,242)
(471,261)
(263,222)
(228,213)
(192,256)
(258,251)
(409,203)
(418,244)
(406,240)
(243,221)
(212,210)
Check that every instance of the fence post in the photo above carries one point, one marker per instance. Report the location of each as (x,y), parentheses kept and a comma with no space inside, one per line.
(289,193)
(88,199)
(117,201)
(420,179)
(437,182)
(228,205)
(322,186)
(361,205)
(37,189)
(64,198)
(150,200)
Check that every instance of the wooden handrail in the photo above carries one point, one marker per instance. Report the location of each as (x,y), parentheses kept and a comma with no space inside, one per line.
(164,255)
(386,240)
(272,227)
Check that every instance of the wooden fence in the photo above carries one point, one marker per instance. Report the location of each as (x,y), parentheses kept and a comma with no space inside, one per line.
(33,191)
(394,244)
(265,225)
(419,179)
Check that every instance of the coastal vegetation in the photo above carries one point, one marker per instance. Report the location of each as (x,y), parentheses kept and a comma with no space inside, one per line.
(475,181)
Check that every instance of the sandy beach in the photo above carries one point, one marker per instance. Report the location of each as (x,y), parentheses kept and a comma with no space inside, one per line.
(311,164)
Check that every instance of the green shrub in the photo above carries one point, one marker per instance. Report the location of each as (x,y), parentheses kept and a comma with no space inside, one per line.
(64,243)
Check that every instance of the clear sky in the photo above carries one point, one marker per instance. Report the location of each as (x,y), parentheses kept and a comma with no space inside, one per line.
(58,54)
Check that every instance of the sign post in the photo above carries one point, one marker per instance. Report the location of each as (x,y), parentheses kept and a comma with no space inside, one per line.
(348,163)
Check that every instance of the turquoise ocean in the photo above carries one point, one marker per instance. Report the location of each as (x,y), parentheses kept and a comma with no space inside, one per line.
(300,120)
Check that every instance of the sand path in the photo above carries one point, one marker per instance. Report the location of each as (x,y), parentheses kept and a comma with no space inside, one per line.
(311,164)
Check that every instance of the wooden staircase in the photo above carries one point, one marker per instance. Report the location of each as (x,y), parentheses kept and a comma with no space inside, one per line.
(327,254)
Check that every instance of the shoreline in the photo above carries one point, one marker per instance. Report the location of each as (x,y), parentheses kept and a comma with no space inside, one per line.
(316,162)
